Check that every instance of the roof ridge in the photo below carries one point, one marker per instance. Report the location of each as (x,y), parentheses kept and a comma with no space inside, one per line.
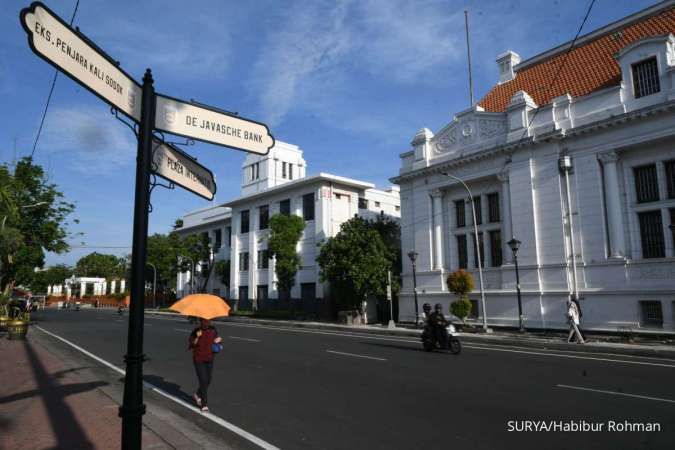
(596,34)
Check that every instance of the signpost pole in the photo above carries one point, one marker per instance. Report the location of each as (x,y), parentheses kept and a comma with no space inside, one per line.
(132,408)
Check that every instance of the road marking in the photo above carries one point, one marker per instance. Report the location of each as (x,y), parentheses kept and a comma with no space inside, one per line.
(472,346)
(212,417)
(244,339)
(182,329)
(356,356)
(557,355)
(644,397)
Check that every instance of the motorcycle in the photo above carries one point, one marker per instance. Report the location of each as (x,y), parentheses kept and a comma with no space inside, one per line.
(433,339)
(120,310)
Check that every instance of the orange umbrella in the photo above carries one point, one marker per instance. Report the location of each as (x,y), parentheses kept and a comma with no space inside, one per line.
(205,306)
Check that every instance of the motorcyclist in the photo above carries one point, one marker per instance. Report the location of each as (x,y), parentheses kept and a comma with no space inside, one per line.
(120,310)
(438,324)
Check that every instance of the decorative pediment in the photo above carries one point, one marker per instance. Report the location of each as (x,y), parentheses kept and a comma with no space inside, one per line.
(470,131)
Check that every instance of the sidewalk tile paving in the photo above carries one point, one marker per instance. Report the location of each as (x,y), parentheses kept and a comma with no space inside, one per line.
(46,405)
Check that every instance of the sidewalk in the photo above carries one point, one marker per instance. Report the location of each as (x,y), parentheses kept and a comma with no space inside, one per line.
(53,398)
(44,404)
(533,340)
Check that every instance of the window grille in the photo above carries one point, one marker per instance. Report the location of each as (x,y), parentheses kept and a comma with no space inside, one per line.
(646,78)
(651,234)
(496,248)
(461,251)
(285,207)
(363,203)
(283,169)
(264,217)
(290,171)
(243,261)
(244,221)
(670,177)
(481,249)
(493,207)
(460,214)
(263,259)
(308,206)
(646,183)
(479,210)
(218,239)
(652,314)
(261,292)
(473,314)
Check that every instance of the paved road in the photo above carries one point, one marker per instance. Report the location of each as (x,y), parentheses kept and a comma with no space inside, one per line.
(302,389)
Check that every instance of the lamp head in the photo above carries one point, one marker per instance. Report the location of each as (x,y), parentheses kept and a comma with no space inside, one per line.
(412,256)
(514,244)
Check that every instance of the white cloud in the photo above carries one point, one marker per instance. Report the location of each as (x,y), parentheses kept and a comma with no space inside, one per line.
(90,140)
(322,48)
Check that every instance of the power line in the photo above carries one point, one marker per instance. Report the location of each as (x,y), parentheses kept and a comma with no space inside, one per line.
(51,91)
(548,90)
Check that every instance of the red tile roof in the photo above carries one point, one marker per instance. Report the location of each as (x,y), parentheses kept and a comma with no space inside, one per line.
(589,67)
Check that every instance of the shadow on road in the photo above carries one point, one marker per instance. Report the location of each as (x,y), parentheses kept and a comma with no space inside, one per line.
(172,388)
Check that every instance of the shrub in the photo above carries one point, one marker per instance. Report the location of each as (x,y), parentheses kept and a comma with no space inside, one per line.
(461,308)
(460,283)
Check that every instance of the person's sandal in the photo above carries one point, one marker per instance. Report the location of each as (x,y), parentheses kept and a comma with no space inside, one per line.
(197,399)
(205,409)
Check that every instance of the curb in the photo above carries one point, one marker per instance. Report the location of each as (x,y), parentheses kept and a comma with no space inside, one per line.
(661,351)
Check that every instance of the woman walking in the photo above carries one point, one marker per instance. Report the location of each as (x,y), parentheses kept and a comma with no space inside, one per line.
(201,342)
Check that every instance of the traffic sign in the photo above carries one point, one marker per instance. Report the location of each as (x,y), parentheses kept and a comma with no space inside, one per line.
(211,125)
(56,42)
(174,165)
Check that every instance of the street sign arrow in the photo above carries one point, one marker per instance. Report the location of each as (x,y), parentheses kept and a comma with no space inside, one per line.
(172,164)
(212,126)
(56,42)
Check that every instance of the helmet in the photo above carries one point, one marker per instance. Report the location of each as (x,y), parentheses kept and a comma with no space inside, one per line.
(438,307)
(426,307)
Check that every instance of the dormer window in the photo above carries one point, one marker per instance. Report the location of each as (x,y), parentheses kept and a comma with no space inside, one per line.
(645,78)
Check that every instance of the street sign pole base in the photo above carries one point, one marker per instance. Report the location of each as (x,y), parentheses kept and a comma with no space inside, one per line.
(391,324)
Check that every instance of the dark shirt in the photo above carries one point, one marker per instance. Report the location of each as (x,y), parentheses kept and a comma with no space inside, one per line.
(437,319)
(201,351)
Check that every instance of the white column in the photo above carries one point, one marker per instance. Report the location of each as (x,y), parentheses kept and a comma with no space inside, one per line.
(49,290)
(507,230)
(437,214)
(83,289)
(617,242)
(122,282)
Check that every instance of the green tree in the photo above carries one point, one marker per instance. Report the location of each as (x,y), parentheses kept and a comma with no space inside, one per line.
(390,232)
(37,212)
(222,269)
(285,232)
(101,266)
(355,263)
(54,275)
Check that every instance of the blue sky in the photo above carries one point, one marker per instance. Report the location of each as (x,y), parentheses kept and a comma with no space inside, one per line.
(348,81)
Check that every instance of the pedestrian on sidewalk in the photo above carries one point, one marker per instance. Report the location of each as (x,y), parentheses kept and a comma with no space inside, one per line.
(573,314)
(201,342)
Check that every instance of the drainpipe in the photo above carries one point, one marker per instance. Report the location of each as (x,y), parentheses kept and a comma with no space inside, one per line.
(565,165)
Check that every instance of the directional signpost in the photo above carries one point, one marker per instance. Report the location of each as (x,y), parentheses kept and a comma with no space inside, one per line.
(173,165)
(212,126)
(72,53)
(61,46)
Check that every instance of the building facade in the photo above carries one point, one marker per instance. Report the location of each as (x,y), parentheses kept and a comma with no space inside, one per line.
(277,184)
(573,154)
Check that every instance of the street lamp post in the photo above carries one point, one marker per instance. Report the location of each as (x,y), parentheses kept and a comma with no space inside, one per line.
(480,263)
(515,244)
(154,285)
(413,257)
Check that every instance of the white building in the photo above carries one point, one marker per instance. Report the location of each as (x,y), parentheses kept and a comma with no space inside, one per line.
(611,111)
(272,184)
